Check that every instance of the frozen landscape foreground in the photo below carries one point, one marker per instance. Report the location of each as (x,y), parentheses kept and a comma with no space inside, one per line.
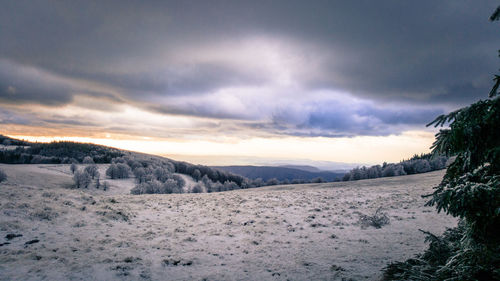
(295,232)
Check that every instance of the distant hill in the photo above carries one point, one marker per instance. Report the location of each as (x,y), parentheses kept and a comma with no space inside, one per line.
(6,141)
(280,173)
(302,167)
(62,152)
(152,170)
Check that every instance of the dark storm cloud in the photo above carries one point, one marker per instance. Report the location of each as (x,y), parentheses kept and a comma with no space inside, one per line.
(20,84)
(151,53)
(25,84)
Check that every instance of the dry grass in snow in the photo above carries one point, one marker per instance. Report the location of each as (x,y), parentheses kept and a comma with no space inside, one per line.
(295,232)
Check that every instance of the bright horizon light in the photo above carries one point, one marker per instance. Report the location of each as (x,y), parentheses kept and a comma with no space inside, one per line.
(365,149)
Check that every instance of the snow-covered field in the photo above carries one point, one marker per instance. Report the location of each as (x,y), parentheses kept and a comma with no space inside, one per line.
(295,232)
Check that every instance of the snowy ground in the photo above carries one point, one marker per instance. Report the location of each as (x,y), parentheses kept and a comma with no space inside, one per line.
(295,232)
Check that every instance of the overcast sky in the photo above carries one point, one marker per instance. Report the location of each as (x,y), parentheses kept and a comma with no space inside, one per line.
(210,76)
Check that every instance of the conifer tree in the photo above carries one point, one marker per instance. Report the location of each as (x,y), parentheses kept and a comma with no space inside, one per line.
(470,190)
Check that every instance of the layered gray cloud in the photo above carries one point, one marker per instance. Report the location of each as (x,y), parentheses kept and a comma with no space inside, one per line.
(329,68)
(348,118)
(21,84)
(26,84)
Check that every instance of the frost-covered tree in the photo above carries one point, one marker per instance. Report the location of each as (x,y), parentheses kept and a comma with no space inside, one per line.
(123,171)
(388,171)
(118,171)
(156,187)
(180,181)
(3,176)
(133,164)
(438,163)
(273,181)
(161,174)
(92,170)
(355,174)
(88,160)
(374,172)
(258,182)
(73,168)
(399,170)
(422,166)
(145,187)
(217,187)
(196,175)
(139,174)
(470,190)
(171,186)
(112,171)
(117,160)
(81,179)
(230,185)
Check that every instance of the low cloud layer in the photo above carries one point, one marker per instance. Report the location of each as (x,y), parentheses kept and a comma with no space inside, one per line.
(335,69)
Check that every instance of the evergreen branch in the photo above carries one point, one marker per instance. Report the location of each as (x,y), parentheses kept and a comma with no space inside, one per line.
(494,90)
(496,14)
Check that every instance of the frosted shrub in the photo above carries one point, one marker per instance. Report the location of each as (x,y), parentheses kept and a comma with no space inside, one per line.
(377,220)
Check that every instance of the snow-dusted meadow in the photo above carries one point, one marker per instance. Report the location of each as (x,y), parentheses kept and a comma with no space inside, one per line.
(295,232)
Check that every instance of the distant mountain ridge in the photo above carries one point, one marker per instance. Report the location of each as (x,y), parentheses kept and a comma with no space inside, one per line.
(307,168)
(281,173)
